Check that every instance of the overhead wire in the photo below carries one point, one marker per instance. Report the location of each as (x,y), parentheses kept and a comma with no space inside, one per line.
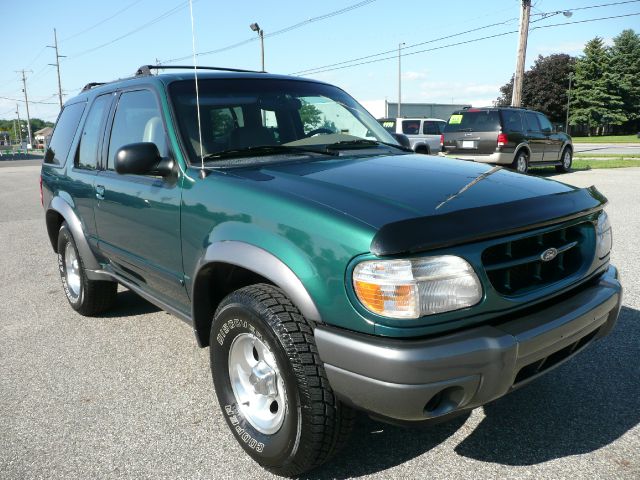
(101,22)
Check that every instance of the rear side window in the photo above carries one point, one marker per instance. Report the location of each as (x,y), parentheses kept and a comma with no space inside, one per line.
(137,119)
(411,127)
(511,121)
(474,121)
(532,122)
(63,134)
(432,128)
(88,150)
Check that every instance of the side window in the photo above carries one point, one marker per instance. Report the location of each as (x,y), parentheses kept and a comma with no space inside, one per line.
(87,153)
(137,119)
(545,123)
(512,121)
(532,122)
(431,128)
(63,134)
(411,127)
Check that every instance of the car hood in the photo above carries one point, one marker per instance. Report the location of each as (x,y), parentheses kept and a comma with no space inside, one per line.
(407,193)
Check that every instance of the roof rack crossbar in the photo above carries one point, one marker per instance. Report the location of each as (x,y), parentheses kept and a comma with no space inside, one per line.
(146,69)
(90,85)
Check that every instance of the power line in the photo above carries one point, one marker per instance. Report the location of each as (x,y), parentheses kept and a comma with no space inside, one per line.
(31,101)
(136,30)
(277,32)
(465,42)
(100,22)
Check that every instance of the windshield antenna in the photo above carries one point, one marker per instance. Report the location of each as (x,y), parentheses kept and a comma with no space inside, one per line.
(195,74)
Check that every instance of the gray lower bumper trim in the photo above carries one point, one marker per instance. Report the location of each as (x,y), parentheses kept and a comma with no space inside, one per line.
(398,378)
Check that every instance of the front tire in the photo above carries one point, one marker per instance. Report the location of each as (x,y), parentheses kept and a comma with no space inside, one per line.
(87,297)
(271,384)
(567,160)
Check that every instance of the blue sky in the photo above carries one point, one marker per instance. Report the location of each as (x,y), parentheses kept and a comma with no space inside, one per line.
(470,73)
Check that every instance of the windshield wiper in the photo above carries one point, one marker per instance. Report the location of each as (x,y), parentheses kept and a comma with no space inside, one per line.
(363,143)
(264,150)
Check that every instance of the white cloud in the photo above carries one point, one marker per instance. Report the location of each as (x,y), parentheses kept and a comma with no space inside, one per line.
(476,94)
(412,76)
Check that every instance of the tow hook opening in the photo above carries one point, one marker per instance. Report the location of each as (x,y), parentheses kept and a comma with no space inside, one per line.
(443,402)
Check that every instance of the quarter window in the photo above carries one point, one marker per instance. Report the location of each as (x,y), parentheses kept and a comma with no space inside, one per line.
(87,156)
(512,121)
(137,119)
(63,134)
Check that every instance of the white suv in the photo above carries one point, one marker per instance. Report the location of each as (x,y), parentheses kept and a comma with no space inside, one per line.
(423,133)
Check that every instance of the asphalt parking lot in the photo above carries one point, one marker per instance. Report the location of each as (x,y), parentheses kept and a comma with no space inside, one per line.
(129,395)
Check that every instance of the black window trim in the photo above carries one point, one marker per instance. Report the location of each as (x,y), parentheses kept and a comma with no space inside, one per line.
(108,127)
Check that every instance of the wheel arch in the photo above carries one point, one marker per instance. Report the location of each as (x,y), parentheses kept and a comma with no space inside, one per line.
(521,147)
(229,265)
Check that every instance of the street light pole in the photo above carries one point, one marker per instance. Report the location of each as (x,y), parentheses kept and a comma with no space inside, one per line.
(516,97)
(256,28)
(400,78)
(566,127)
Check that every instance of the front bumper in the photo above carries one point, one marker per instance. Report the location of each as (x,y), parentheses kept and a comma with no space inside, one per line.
(418,380)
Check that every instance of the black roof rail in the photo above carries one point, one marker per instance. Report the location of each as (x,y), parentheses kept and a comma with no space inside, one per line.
(146,69)
(89,86)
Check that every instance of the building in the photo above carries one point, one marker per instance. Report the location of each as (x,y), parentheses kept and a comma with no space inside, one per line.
(42,137)
(385,109)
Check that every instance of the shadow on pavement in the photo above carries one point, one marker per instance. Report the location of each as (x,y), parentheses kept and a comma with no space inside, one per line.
(130,304)
(582,406)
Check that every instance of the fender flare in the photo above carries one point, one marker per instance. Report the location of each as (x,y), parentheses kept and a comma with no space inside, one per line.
(522,146)
(262,263)
(91,264)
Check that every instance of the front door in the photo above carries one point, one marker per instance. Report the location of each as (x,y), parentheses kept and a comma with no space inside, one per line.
(553,140)
(138,216)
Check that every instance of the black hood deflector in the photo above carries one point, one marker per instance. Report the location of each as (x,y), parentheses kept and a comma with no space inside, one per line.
(480,223)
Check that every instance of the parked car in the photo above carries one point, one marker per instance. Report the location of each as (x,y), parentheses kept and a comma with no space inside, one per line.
(423,133)
(326,268)
(515,137)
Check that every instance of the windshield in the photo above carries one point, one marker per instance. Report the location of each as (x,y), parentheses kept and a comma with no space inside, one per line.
(474,121)
(242,114)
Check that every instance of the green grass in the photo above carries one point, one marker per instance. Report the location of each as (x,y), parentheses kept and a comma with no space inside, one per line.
(580,164)
(608,139)
(605,156)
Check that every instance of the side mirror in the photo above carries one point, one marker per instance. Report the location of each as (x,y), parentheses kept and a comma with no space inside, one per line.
(142,159)
(402,139)
(546,130)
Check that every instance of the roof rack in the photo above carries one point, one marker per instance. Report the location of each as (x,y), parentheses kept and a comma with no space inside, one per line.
(89,86)
(146,69)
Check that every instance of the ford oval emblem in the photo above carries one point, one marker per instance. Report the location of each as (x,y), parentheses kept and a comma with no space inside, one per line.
(549,254)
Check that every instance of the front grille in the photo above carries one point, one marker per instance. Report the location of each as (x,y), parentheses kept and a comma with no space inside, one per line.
(516,267)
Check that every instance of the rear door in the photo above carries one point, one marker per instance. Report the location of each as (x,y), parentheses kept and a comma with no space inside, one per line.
(553,142)
(537,139)
(431,129)
(472,132)
(138,216)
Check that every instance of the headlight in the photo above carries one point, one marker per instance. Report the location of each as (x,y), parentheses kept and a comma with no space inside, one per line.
(603,234)
(418,287)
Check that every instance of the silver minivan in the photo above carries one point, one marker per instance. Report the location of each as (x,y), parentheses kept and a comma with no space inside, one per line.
(423,133)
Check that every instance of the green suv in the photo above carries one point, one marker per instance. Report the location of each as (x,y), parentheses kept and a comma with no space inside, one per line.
(327,268)
(515,137)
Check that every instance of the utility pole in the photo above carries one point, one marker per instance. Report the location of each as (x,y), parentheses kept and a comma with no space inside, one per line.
(19,125)
(566,127)
(57,64)
(15,131)
(400,78)
(256,28)
(516,98)
(26,101)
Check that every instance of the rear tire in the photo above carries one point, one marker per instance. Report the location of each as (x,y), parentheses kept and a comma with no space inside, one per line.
(521,162)
(87,297)
(567,160)
(271,383)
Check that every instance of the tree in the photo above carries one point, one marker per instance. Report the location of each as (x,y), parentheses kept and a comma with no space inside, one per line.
(310,115)
(595,101)
(625,69)
(545,86)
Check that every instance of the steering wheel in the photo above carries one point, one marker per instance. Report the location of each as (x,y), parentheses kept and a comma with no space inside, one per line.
(318,131)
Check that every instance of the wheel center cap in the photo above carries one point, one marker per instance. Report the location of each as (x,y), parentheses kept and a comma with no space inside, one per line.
(263,379)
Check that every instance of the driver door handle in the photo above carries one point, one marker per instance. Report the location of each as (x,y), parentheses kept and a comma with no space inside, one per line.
(100,192)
